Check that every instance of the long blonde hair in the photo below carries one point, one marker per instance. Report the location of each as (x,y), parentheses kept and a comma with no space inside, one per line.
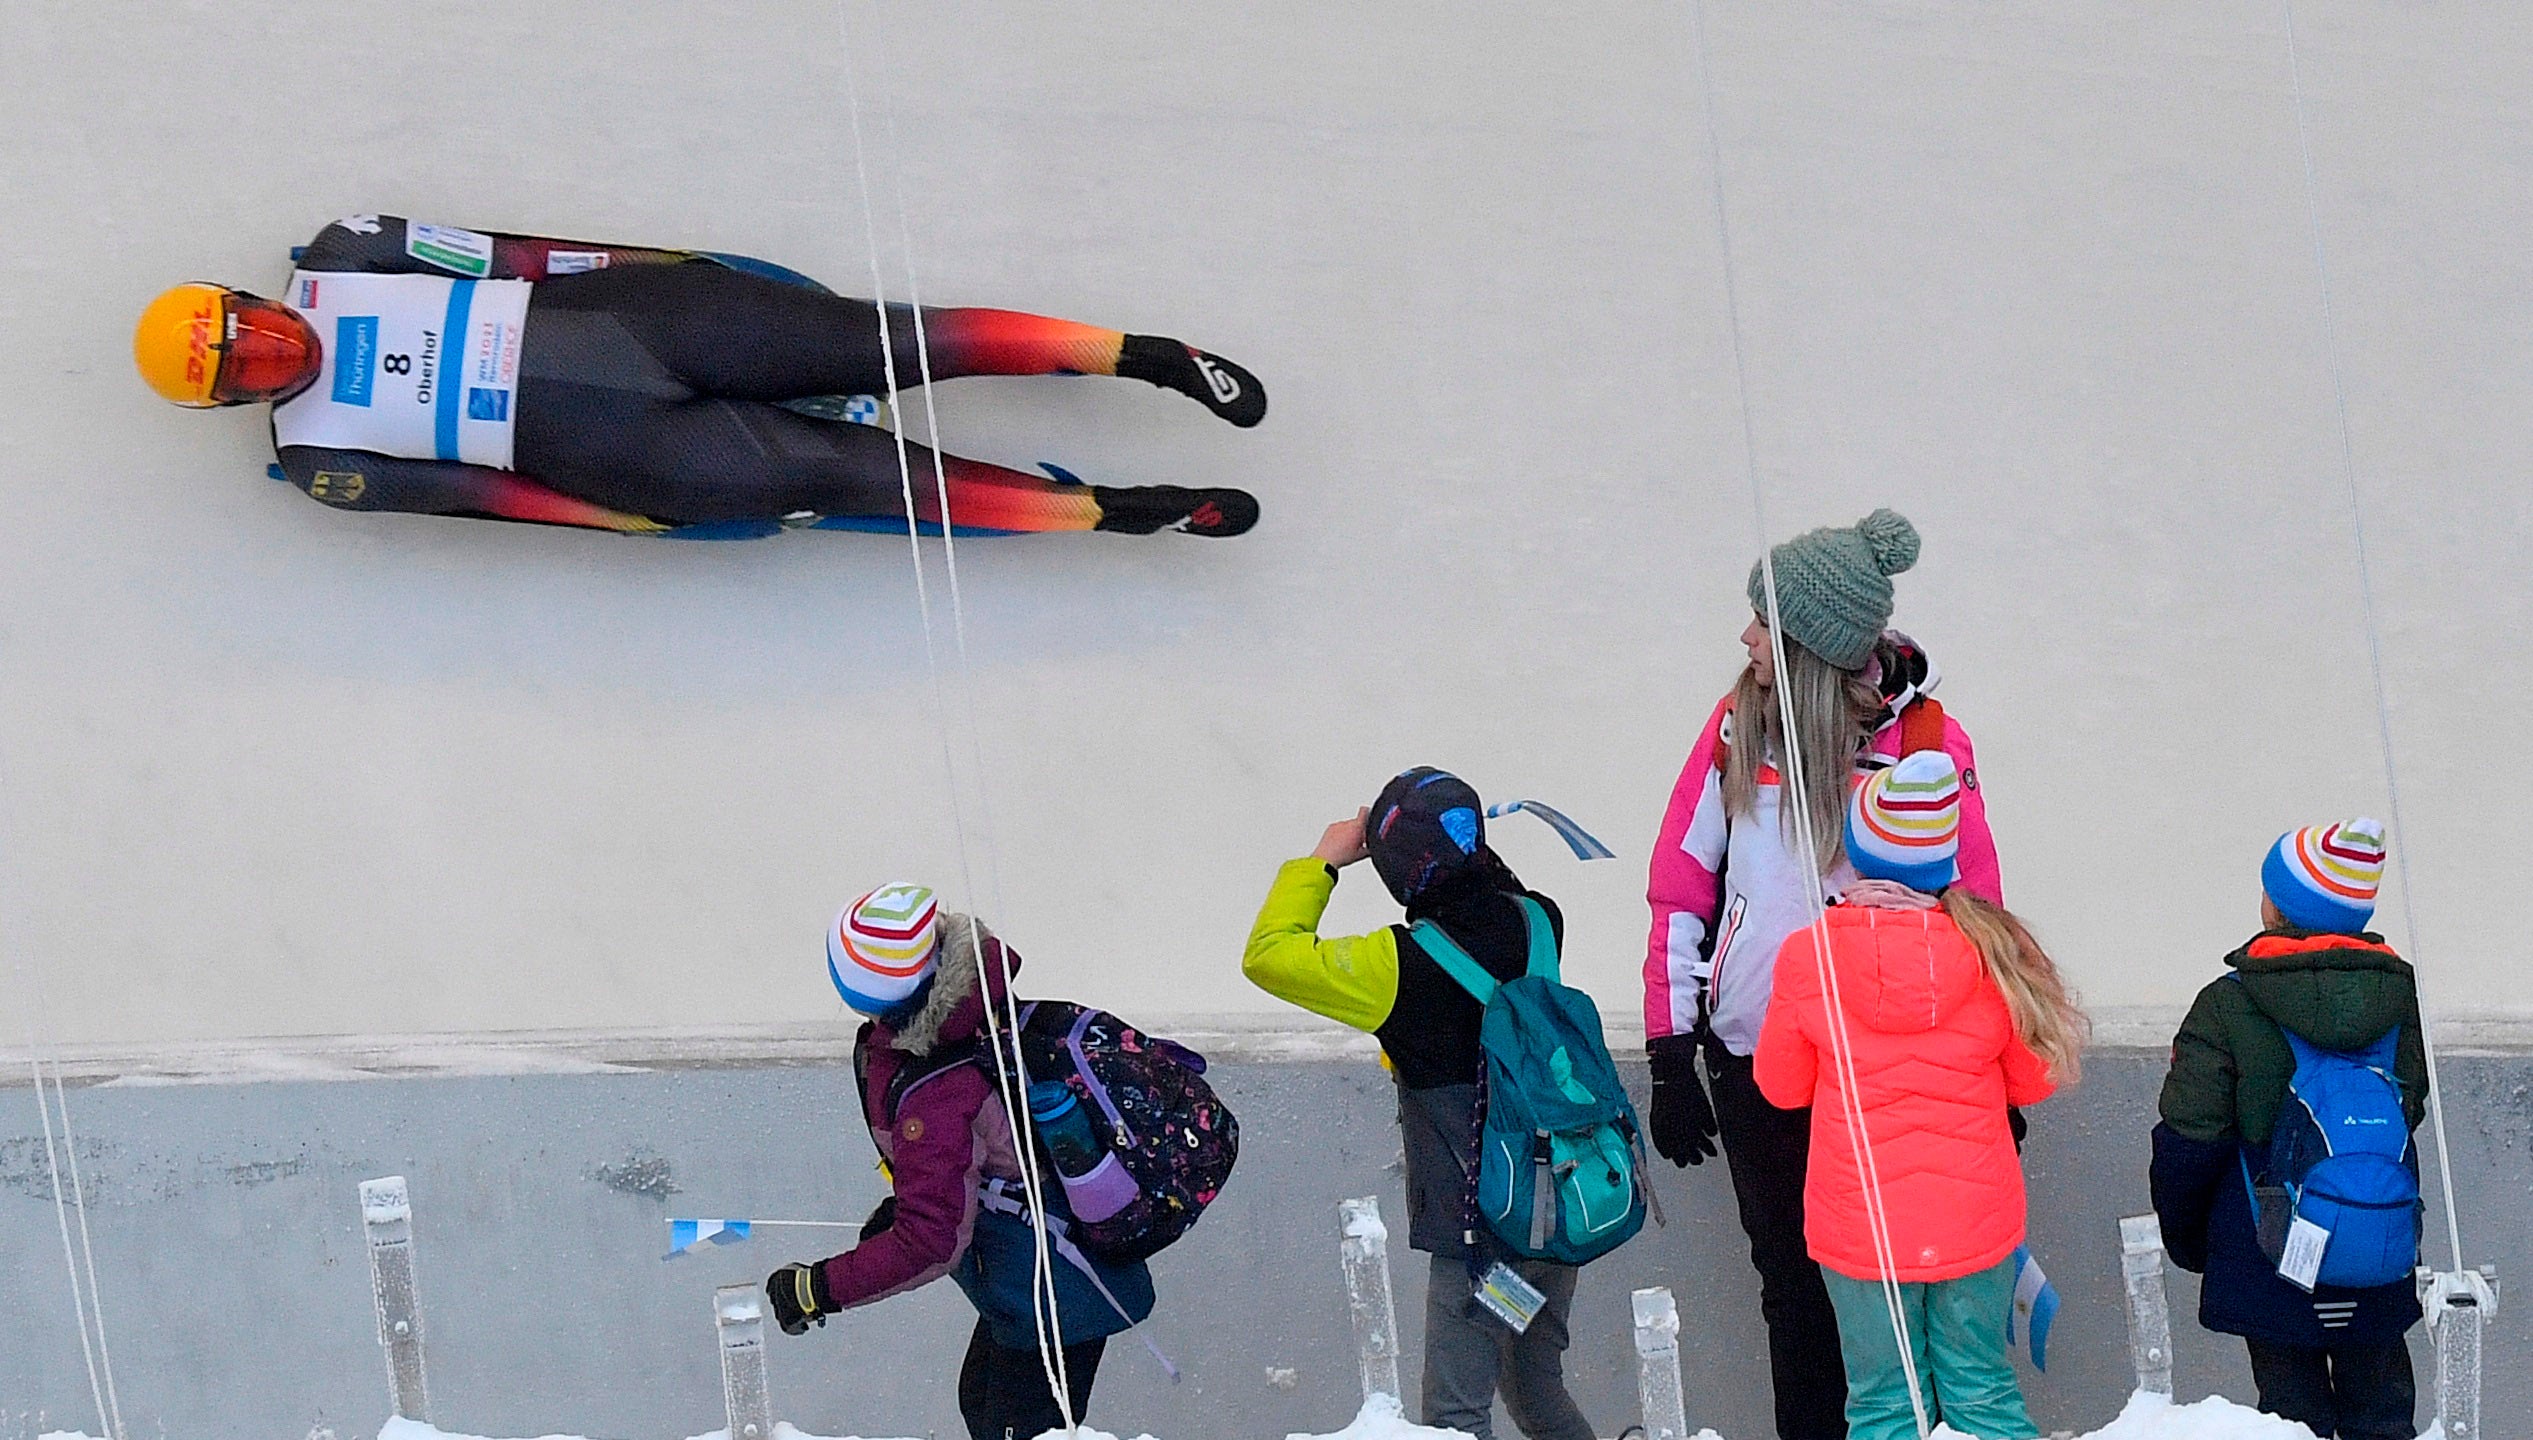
(1834,714)
(2046,1016)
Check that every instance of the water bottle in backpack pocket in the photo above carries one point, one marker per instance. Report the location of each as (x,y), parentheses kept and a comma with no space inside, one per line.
(1560,1160)
(1145,1144)
(1096,1185)
(2337,1201)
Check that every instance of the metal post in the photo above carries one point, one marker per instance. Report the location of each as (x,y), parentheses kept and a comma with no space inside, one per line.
(388,1217)
(2458,1306)
(2149,1311)
(1665,1409)
(738,1316)
(2458,1372)
(1365,1255)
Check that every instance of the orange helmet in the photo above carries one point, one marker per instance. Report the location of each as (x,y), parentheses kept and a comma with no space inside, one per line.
(203,345)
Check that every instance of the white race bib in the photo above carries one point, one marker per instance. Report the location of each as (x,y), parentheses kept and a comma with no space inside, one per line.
(421,367)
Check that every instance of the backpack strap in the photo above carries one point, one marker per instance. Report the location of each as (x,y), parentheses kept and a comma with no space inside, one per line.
(1005,1197)
(1921,726)
(862,1067)
(1471,976)
(916,1069)
(1543,939)
(1455,962)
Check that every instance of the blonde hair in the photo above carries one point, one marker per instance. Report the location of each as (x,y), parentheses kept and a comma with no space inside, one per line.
(1834,714)
(2046,1016)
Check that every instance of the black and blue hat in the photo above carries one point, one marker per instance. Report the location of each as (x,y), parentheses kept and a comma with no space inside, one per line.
(1427,830)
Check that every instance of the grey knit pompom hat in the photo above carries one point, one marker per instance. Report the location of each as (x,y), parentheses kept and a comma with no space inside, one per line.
(1834,585)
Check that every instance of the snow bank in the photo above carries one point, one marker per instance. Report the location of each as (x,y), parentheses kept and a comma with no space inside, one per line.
(1381,1418)
(2148,1417)
(401,1429)
(2156,1417)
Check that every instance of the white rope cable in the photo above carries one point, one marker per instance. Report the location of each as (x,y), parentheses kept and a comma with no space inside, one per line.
(87,1252)
(1033,1180)
(1012,1088)
(941,491)
(101,1361)
(2374,640)
(1795,785)
(86,1307)
(61,1218)
(1044,1304)
(1792,778)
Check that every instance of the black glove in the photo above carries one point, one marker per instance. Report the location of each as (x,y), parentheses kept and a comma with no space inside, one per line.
(798,1294)
(881,1218)
(1683,1118)
(2021,1127)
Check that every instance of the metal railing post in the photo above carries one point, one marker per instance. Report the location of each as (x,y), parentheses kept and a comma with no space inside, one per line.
(1365,1255)
(387,1216)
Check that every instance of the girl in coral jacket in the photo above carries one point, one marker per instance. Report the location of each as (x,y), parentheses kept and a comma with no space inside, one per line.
(1951,1013)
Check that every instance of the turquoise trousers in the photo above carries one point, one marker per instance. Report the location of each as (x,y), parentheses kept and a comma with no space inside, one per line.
(1957,1333)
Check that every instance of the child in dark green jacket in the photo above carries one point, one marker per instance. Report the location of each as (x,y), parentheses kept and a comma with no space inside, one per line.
(2331,1357)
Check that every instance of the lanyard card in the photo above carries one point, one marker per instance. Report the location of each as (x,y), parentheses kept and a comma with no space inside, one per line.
(1510,1298)
(2301,1265)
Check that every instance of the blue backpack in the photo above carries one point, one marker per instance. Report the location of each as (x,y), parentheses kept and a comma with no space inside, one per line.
(1560,1159)
(2341,1159)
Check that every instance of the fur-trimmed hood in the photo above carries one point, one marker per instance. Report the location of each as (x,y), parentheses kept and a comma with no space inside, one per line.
(952,1010)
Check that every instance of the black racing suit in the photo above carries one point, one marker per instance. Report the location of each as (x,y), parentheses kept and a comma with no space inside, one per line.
(651,394)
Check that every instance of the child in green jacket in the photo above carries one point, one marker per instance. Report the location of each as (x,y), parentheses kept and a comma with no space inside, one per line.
(1426,836)
(2312,983)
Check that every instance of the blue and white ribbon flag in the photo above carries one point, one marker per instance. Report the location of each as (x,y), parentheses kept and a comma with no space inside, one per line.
(2036,1300)
(684,1235)
(1577,838)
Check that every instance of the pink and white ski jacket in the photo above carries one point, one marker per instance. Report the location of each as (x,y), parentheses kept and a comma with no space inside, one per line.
(1727,892)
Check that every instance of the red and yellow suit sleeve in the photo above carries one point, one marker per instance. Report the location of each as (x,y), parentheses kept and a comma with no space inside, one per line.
(512,496)
(364,480)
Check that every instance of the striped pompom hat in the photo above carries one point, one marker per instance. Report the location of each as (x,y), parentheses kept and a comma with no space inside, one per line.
(884,946)
(2324,877)
(1904,823)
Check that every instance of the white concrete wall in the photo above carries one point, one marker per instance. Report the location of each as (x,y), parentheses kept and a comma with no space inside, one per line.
(2035,273)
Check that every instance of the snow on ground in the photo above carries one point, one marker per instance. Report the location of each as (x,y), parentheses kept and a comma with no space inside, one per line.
(401,1429)
(2148,1417)
(2156,1417)
(1381,1419)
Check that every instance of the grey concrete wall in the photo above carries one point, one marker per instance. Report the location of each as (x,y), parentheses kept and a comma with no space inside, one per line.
(231,1257)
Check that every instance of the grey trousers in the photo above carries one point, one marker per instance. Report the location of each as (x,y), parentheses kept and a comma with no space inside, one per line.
(1468,1353)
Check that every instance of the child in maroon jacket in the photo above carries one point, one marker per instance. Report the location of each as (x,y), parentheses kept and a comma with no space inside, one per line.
(956,1205)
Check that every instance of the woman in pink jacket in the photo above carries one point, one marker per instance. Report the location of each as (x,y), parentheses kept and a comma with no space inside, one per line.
(1946,1012)
(1728,884)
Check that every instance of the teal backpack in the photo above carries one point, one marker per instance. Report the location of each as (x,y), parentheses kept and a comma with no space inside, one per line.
(1560,1158)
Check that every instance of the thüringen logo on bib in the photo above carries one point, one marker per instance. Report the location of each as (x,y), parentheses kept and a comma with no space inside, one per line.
(355,358)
